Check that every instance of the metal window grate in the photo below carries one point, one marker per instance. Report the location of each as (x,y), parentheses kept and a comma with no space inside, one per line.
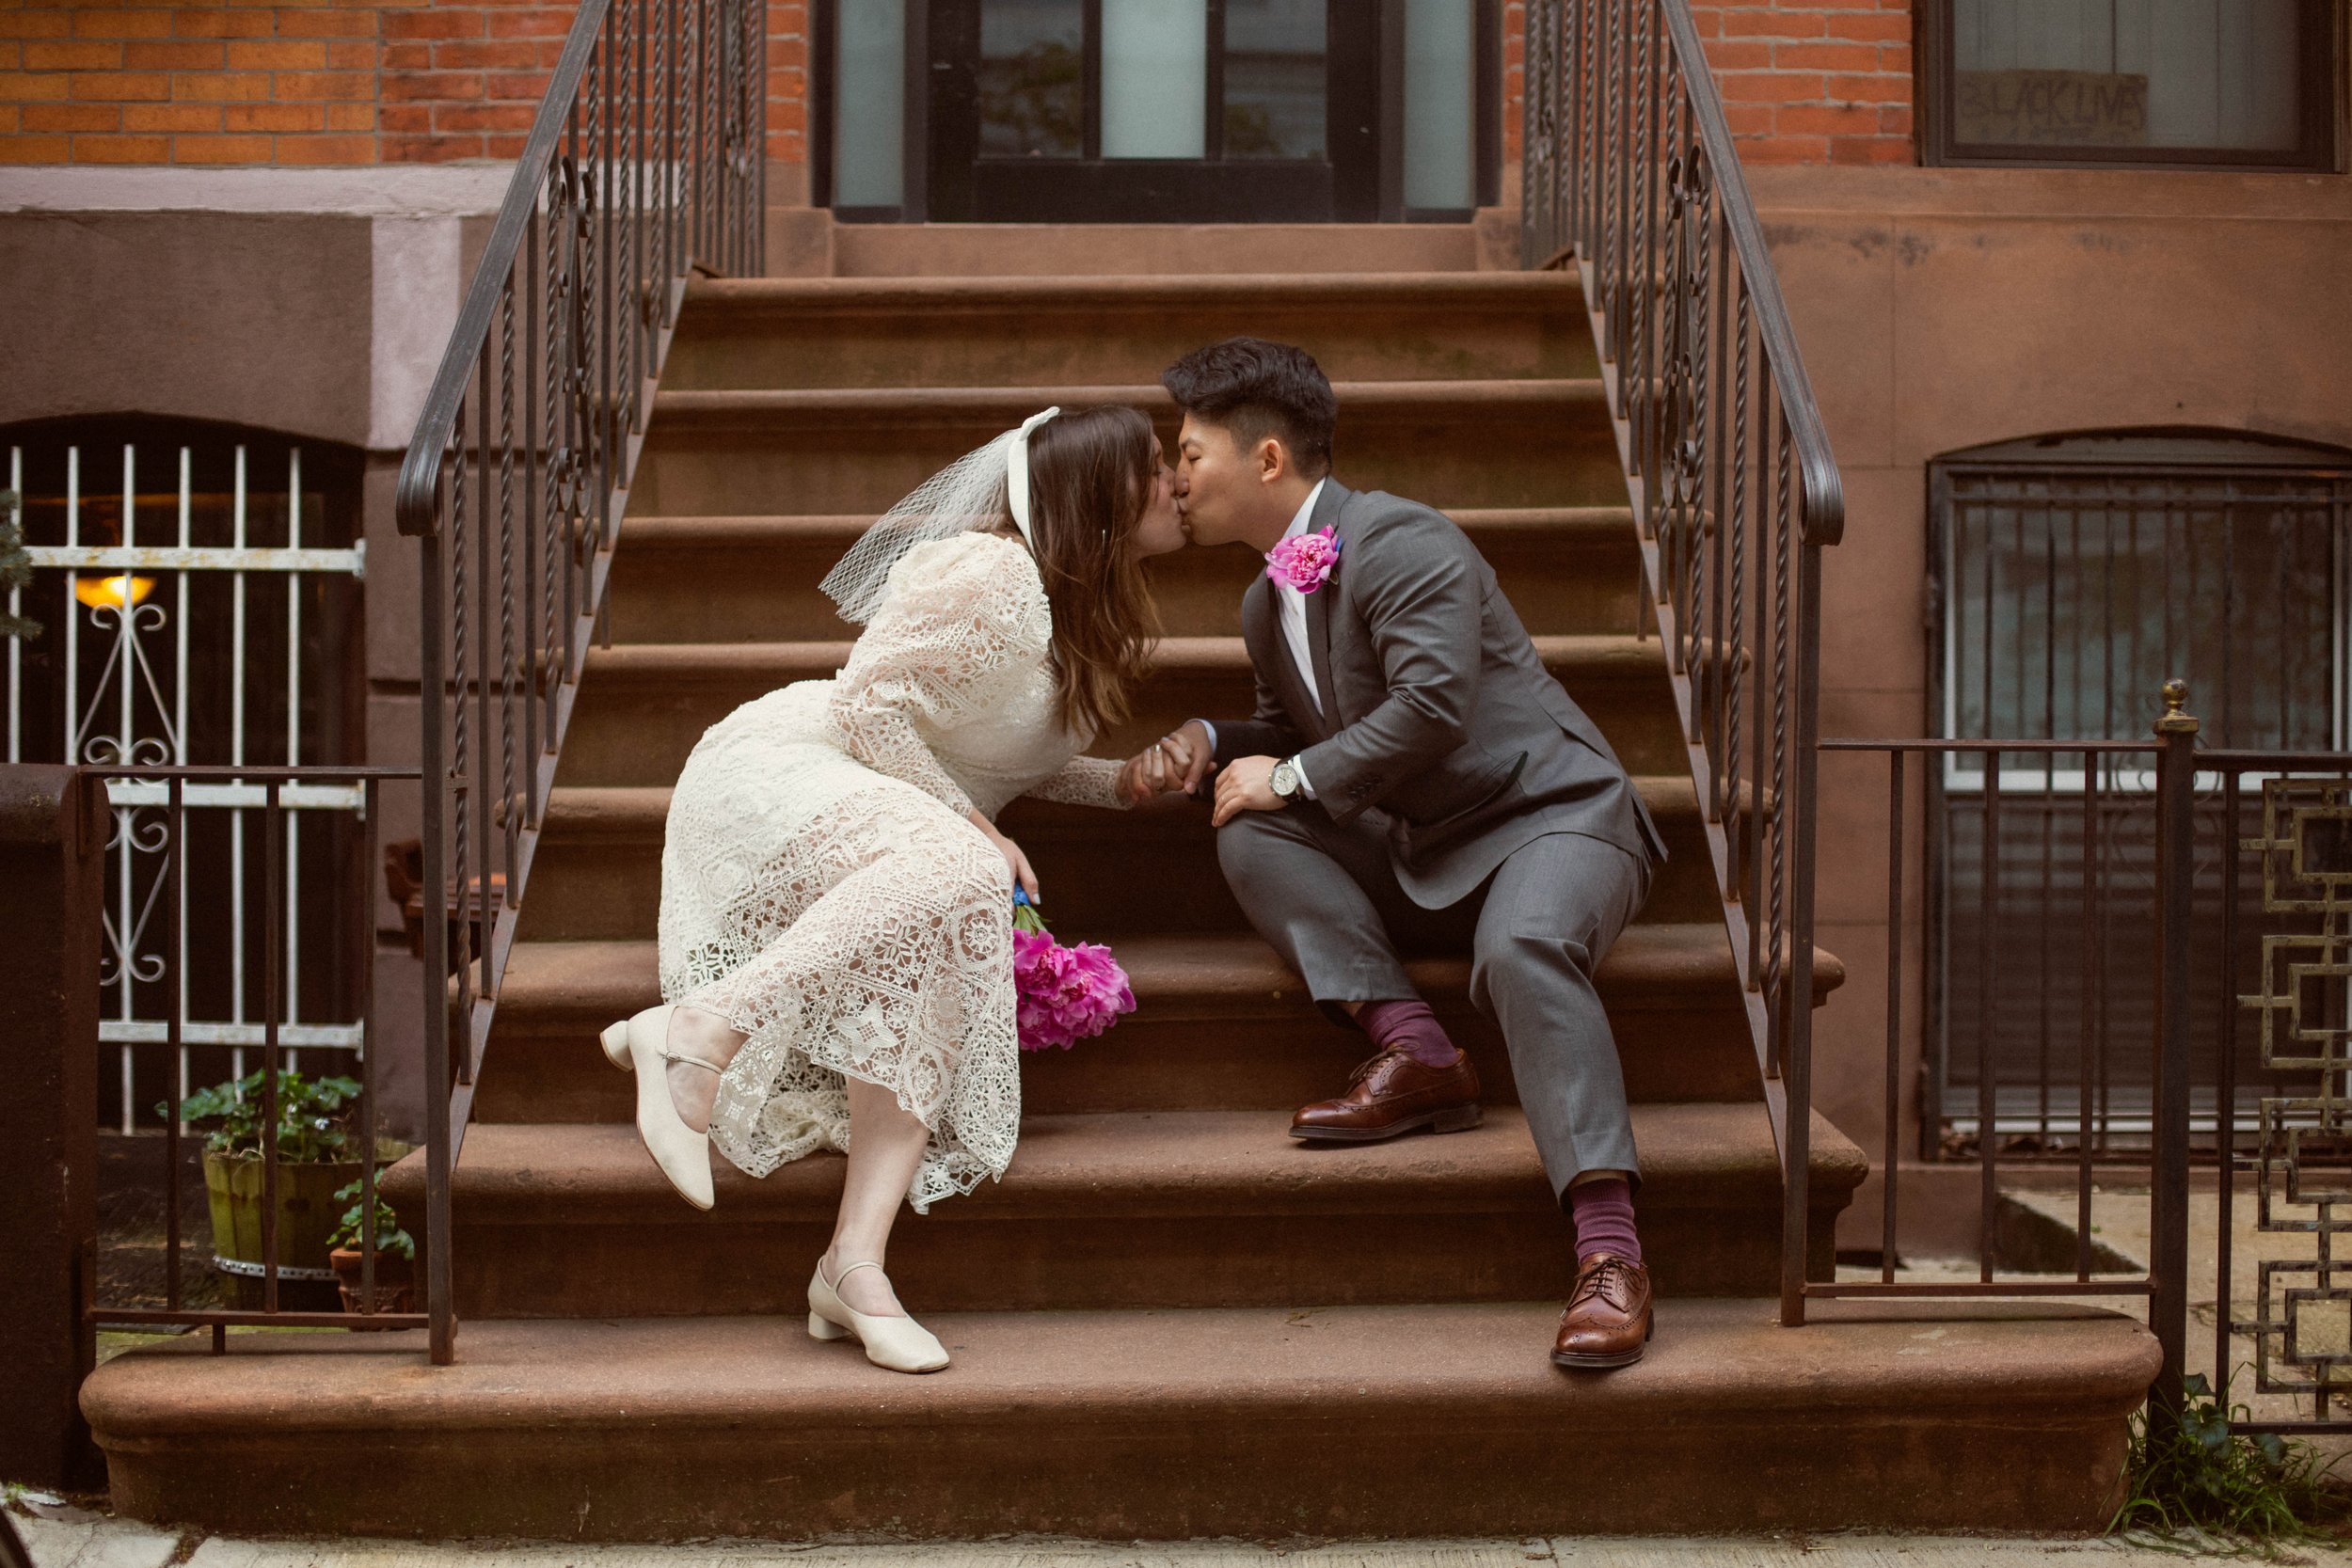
(199,594)
(2072,580)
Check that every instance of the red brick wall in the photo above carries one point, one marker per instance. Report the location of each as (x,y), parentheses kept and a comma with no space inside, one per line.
(1813,81)
(334,81)
(1802,81)
(405,81)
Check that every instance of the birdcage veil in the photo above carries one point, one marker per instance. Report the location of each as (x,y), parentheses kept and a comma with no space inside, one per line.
(975,491)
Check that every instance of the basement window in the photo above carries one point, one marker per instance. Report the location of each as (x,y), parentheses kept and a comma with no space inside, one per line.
(2071,578)
(2170,83)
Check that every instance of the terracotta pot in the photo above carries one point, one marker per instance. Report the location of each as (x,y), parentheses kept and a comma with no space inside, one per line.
(395,1281)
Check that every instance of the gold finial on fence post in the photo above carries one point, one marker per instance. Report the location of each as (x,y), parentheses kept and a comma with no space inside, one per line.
(2175,720)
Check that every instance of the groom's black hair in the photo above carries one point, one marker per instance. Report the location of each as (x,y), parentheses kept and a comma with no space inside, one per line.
(1255,389)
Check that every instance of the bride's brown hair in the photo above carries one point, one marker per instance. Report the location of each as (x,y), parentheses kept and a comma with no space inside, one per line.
(1090,477)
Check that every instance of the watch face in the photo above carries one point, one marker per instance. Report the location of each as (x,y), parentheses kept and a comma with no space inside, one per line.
(1285,780)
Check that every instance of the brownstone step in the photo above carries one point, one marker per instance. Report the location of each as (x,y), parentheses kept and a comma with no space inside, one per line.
(1136,249)
(1382,1421)
(1076,330)
(645,705)
(1123,1209)
(597,872)
(1483,443)
(1220,1025)
(742,579)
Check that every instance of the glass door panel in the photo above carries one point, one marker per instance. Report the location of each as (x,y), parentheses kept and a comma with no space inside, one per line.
(1277,75)
(1032,78)
(1440,104)
(1156,78)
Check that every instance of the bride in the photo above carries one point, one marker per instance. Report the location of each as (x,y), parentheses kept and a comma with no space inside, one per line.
(836,901)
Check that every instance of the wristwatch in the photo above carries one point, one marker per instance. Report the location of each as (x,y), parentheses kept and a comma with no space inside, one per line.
(1284,781)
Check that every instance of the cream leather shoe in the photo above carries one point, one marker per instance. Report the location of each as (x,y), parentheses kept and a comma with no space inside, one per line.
(683,1154)
(616,1036)
(900,1344)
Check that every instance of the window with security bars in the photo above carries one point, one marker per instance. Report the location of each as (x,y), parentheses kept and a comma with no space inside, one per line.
(2073,578)
(197,590)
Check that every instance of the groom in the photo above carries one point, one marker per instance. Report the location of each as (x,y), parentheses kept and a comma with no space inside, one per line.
(1413,773)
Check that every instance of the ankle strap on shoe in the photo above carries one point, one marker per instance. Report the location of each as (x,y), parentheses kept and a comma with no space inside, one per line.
(669,1056)
(845,1273)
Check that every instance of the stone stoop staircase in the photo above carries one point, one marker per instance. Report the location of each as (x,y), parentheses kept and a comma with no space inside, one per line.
(1168,1319)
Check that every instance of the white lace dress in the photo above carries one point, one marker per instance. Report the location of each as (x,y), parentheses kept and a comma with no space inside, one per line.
(822,890)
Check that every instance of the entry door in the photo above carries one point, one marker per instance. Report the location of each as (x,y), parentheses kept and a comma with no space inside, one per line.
(1135,111)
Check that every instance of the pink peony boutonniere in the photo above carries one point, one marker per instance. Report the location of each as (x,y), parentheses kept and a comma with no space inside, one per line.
(1304,561)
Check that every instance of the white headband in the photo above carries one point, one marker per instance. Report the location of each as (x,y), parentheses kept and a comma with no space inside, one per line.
(1017,473)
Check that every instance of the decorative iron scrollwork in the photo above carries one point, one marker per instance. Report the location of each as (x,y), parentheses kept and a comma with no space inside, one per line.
(2302,1323)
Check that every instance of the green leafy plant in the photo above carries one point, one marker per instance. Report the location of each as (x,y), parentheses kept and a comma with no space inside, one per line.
(314,1117)
(2201,1487)
(390,1237)
(16,565)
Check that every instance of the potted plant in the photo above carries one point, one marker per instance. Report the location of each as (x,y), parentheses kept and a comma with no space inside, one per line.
(395,1255)
(318,1152)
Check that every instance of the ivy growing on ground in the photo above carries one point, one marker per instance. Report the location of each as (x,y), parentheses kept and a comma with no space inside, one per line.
(2202,1488)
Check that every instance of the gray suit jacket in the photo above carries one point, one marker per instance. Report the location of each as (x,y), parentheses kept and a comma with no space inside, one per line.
(1438,722)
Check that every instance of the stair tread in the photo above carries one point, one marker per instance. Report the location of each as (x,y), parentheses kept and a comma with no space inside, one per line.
(1139,1163)
(1589,655)
(1501,290)
(1208,975)
(719,405)
(1481,1362)
(1568,525)
(637,813)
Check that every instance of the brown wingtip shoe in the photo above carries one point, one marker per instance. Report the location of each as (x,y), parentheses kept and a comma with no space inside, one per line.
(1394,1092)
(1608,1321)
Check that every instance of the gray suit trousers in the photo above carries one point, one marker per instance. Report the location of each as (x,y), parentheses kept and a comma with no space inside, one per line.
(1326,896)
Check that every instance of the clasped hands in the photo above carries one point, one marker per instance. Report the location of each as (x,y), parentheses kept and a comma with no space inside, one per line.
(1179,761)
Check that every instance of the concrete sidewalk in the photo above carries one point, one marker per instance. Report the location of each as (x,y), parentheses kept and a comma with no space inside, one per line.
(69,1539)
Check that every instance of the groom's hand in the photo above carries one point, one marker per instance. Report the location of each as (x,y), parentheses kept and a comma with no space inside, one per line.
(1247,785)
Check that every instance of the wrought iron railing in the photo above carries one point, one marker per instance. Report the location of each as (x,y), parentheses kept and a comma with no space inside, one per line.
(644,164)
(1631,177)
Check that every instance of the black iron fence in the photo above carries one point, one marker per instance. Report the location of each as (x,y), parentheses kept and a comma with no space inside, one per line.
(644,166)
(294,1157)
(1631,177)
(2237,922)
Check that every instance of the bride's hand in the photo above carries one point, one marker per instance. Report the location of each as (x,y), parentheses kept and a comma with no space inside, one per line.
(1022,872)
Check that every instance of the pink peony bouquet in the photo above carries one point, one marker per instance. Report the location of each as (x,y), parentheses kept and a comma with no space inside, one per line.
(1066,995)
(1304,561)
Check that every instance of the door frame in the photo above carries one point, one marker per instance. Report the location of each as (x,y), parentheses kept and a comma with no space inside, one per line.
(1367,189)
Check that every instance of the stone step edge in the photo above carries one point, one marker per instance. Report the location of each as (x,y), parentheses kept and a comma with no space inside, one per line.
(635,814)
(563,986)
(1501,291)
(862,407)
(1569,527)
(1147,1166)
(1712,1358)
(1588,656)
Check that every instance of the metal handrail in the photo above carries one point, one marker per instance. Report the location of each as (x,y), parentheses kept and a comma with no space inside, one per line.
(1633,178)
(645,164)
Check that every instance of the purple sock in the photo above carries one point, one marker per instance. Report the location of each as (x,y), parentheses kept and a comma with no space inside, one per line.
(1604,1219)
(1409,1026)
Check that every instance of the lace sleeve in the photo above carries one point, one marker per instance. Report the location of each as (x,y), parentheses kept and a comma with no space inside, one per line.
(961,614)
(1084,782)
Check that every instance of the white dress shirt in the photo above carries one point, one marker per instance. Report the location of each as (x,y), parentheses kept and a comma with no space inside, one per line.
(1293,606)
